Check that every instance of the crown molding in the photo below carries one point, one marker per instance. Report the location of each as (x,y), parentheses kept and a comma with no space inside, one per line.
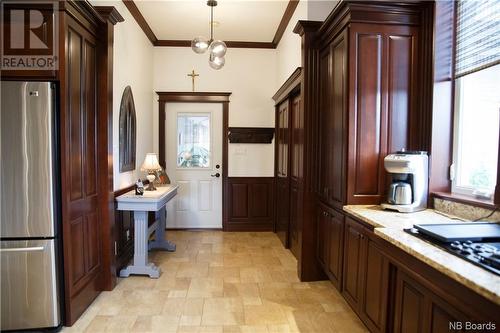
(136,14)
(287,16)
(285,20)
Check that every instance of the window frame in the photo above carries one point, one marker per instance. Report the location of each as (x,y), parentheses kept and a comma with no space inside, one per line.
(210,167)
(456,129)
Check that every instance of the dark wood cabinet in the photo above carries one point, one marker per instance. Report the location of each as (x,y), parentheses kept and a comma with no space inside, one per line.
(282,176)
(289,162)
(375,288)
(365,276)
(296,172)
(323,250)
(417,309)
(392,291)
(330,226)
(354,258)
(333,116)
(381,72)
(336,248)
(79,146)
(366,97)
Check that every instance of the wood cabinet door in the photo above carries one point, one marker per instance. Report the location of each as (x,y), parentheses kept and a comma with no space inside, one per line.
(283,138)
(296,173)
(81,234)
(410,306)
(382,70)
(295,213)
(337,119)
(336,248)
(282,209)
(375,288)
(333,110)
(325,126)
(282,182)
(323,221)
(297,141)
(353,262)
(417,309)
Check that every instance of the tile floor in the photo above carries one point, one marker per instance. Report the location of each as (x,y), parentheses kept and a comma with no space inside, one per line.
(221,282)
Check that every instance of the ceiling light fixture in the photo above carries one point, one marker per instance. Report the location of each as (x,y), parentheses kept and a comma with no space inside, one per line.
(217,48)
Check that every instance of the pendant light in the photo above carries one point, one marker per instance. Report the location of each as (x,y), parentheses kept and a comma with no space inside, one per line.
(216,48)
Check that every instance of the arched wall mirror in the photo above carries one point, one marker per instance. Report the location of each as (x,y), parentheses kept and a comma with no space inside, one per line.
(128,130)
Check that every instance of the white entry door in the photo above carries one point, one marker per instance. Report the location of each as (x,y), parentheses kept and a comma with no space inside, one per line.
(194,162)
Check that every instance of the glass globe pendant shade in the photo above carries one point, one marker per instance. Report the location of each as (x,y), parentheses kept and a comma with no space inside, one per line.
(216,62)
(199,45)
(218,48)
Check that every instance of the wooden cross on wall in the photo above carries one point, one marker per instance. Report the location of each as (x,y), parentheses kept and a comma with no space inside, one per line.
(193,76)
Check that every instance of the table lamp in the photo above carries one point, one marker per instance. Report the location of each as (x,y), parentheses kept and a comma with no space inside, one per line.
(151,165)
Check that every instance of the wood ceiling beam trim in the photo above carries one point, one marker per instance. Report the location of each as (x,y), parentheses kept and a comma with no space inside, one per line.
(287,16)
(136,13)
(139,18)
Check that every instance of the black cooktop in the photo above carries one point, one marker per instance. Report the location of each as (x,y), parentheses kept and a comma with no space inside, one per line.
(476,242)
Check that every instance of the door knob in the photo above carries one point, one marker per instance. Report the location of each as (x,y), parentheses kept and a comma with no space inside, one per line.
(216,175)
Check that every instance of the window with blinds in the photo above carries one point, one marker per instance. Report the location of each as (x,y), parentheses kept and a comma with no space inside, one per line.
(477,35)
(477,98)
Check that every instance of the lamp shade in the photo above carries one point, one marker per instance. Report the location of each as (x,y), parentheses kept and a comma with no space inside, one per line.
(200,45)
(150,163)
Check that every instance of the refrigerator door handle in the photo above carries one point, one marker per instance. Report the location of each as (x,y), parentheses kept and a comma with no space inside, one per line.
(23,249)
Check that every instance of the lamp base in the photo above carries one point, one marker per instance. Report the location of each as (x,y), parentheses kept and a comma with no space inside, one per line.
(151,186)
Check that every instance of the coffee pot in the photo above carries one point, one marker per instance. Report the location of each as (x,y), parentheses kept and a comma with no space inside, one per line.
(408,185)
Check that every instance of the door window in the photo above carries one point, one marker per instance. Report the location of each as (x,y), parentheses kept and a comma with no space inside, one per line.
(193,140)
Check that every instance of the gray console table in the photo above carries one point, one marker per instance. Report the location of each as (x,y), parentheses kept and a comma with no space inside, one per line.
(151,201)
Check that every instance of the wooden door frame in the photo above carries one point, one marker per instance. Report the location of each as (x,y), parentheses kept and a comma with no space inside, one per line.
(165,97)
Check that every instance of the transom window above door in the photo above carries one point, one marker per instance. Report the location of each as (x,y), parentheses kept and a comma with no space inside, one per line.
(193,140)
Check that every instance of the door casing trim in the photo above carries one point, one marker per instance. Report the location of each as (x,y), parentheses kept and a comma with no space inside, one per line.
(165,97)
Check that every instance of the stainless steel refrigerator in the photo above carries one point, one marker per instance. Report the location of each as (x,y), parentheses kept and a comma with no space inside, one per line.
(30,295)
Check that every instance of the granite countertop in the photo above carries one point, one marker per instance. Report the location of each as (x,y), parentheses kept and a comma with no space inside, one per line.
(389,226)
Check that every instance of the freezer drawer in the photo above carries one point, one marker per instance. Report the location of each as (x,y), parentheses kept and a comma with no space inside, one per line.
(29,285)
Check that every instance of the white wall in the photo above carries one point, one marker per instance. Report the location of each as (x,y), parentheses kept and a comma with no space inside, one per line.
(133,66)
(288,52)
(250,74)
(318,10)
(289,48)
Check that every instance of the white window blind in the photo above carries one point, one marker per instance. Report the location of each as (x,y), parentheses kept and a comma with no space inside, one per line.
(478,35)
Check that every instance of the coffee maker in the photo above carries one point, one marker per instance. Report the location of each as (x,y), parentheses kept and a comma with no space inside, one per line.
(408,174)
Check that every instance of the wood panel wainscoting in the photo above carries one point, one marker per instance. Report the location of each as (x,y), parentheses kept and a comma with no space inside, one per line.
(250,204)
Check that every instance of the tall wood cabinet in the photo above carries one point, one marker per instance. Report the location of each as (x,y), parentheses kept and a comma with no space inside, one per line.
(367,78)
(359,91)
(288,161)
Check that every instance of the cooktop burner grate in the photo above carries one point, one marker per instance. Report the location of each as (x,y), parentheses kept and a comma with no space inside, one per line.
(485,254)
